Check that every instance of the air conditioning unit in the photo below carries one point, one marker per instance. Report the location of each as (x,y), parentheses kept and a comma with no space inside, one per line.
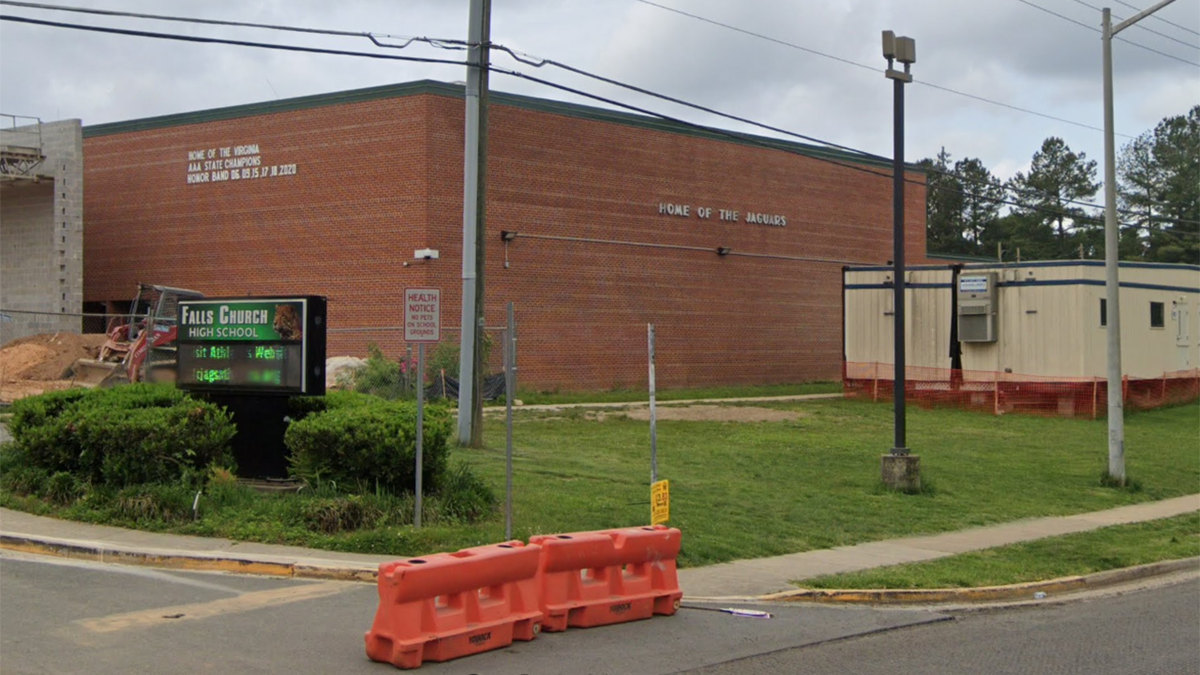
(977,307)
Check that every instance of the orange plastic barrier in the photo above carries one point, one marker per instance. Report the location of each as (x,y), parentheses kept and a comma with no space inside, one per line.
(597,578)
(444,606)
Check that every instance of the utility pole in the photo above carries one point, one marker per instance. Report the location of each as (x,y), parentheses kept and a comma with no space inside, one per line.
(1112,284)
(470,358)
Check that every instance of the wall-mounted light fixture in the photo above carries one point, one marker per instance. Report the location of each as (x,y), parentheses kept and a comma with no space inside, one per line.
(506,236)
(423,255)
(723,250)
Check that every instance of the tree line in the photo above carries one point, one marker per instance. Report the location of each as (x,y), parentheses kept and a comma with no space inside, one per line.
(1050,212)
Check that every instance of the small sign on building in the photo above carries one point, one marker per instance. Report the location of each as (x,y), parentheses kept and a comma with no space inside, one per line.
(422,314)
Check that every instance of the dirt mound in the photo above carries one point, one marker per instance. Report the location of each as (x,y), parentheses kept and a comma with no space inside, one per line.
(46,357)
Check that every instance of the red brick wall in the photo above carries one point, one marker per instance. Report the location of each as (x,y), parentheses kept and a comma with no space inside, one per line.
(378,179)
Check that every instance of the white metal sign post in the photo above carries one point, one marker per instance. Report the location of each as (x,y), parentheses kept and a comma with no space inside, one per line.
(422,324)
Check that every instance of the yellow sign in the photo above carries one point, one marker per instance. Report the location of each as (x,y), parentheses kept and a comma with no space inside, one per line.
(660,502)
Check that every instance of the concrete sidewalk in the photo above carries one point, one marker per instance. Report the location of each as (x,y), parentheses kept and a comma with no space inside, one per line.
(739,579)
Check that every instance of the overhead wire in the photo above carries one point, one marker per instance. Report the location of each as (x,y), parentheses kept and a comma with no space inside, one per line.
(538,63)
(238,43)
(374,37)
(1155,16)
(839,59)
(1097,30)
(1139,26)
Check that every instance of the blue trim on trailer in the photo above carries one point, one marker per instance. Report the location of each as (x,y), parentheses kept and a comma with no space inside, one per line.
(1043,263)
(1036,282)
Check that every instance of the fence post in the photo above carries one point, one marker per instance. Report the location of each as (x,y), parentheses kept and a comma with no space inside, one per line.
(653,415)
(996,394)
(875,381)
(1095,394)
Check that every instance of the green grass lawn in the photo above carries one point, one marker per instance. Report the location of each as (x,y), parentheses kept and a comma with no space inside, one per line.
(745,490)
(752,489)
(1050,558)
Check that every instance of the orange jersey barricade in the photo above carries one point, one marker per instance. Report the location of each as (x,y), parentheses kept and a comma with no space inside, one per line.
(444,606)
(610,576)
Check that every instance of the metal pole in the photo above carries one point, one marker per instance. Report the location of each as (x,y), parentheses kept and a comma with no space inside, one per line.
(474,168)
(420,432)
(1112,284)
(510,390)
(1112,237)
(900,447)
(653,412)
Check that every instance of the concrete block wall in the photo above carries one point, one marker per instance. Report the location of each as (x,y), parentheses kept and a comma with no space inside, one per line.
(41,240)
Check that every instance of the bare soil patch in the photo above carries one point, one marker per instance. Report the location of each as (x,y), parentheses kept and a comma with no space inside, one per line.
(40,363)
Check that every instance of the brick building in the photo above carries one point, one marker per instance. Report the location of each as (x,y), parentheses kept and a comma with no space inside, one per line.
(618,222)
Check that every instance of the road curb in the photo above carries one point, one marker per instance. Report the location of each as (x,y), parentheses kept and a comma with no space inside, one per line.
(99,552)
(1022,591)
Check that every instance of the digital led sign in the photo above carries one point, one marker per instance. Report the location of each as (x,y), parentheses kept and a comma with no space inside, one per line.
(262,345)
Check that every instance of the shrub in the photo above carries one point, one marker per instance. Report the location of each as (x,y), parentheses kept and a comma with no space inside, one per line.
(123,436)
(63,488)
(380,376)
(154,503)
(369,446)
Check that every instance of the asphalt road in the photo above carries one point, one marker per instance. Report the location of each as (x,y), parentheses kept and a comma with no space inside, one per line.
(68,617)
(1150,631)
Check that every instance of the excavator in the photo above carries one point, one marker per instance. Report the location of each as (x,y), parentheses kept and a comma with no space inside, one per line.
(140,346)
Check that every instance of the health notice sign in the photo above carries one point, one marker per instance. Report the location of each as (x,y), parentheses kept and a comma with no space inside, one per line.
(422,314)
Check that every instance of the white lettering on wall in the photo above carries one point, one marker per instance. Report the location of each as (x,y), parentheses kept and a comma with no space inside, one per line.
(234,162)
(723,215)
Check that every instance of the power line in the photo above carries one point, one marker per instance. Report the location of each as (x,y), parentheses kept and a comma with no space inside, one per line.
(539,62)
(1138,25)
(237,43)
(874,69)
(737,136)
(765,143)
(1166,21)
(439,42)
(1097,30)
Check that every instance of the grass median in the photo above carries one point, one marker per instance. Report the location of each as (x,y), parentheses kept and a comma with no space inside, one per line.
(1050,558)
(761,479)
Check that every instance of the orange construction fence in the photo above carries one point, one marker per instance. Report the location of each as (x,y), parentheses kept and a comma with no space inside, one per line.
(1001,393)
(448,605)
(611,576)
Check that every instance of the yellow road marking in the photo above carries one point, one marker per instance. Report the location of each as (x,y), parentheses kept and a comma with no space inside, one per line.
(149,618)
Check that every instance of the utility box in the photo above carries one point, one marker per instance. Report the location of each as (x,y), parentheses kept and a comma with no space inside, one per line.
(977,307)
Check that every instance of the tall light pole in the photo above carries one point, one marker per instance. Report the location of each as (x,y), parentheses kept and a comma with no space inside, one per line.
(1112,285)
(899,468)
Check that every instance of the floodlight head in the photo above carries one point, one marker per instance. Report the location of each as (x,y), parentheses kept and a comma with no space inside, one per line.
(889,44)
(906,50)
(723,250)
(506,235)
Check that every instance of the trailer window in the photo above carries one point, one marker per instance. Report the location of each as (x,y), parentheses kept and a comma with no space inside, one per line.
(1103,312)
(1157,318)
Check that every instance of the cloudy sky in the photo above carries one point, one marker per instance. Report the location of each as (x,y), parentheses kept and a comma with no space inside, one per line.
(809,67)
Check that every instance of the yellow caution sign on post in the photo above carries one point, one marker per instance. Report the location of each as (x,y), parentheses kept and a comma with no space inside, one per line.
(660,502)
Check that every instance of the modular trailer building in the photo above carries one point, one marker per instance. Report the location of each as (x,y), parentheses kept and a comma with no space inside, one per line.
(731,245)
(1028,335)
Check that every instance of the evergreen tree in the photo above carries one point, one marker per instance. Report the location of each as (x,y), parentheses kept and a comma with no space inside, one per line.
(1056,176)
(1160,182)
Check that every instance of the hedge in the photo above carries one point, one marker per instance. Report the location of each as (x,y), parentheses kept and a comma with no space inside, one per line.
(367,443)
(123,436)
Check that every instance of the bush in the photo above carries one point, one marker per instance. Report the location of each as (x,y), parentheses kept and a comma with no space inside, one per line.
(369,447)
(123,436)
(380,376)
(464,497)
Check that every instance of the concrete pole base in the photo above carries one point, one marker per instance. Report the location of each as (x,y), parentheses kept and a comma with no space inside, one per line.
(901,472)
